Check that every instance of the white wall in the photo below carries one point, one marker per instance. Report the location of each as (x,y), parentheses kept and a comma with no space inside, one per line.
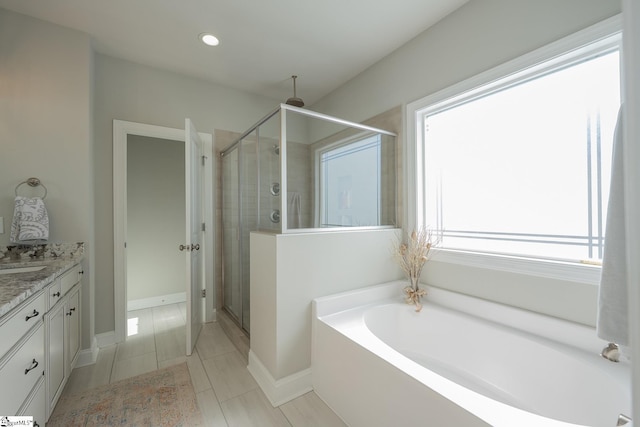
(155,217)
(289,270)
(46,131)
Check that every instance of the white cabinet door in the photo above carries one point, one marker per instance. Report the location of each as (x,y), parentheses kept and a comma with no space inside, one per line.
(72,329)
(54,350)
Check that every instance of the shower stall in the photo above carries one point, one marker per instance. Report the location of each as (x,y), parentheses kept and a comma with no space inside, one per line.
(298,171)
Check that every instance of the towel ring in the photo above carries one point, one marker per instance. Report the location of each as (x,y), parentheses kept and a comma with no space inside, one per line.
(32,182)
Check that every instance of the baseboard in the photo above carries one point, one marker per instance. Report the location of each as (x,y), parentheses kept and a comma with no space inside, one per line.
(283,390)
(106,339)
(88,356)
(139,304)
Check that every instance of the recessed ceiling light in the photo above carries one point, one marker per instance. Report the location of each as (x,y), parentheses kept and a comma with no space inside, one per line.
(209,39)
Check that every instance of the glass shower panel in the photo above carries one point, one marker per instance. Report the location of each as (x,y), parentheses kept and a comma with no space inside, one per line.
(269,214)
(300,196)
(338,175)
(232,274)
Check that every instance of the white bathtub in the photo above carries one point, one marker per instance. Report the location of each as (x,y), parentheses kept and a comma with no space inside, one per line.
(376,362)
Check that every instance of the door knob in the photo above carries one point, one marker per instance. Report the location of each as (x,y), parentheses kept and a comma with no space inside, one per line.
(184,247)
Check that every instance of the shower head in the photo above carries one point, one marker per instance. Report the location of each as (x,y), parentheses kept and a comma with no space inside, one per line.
(295,101)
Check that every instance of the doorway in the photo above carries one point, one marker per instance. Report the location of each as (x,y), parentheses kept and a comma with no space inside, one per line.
(157,255)
(155,222)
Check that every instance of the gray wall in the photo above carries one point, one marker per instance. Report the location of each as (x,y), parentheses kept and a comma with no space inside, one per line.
(155,217)
(46,131)
(133,92)
(478,36)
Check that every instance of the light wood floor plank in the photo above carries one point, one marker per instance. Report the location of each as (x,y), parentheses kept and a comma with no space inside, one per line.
(309,410)
(213,342)
(198,374)
(91,376)
(229,376)
(133,366)
(228,396)
(252,409)
(210,408)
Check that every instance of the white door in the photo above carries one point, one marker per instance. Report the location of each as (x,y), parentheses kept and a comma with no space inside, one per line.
(193,198)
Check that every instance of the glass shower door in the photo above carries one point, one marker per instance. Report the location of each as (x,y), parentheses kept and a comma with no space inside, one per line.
(248,218)
(231,243)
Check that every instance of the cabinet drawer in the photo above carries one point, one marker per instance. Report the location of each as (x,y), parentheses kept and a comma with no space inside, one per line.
(54,292)
(35,405)
(19,321)
(22,371)
(70,278)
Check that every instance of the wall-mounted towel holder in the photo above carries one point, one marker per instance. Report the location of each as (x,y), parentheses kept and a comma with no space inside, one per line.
(32,182)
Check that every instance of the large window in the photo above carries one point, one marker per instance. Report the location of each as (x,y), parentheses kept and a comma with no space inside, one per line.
(521,165)
(350,176)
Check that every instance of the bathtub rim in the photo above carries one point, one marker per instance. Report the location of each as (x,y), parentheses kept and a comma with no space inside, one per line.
(562,331)
(351,306)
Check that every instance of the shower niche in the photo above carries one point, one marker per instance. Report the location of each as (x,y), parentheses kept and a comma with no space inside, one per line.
(298,171)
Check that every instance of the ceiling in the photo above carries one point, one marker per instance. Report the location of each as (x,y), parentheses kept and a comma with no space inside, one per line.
(262,42)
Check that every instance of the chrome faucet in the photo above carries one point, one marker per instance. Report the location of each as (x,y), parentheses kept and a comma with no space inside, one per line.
(611,352)
(623,420)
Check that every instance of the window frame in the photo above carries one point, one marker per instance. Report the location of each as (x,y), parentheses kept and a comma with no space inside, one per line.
(564,52)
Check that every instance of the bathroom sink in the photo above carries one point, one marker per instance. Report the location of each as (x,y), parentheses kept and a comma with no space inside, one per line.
(16,270)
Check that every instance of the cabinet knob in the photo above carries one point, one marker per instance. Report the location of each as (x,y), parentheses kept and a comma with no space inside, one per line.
(56,294)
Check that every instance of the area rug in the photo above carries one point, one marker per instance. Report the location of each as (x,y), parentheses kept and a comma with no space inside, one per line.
(159,398)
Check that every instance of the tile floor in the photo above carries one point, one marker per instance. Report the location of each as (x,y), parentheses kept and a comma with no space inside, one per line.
(228,395)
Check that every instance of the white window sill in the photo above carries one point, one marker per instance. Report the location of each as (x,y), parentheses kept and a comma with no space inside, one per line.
(570,271)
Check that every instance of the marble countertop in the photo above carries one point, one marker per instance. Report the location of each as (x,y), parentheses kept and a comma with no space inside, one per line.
(17,287)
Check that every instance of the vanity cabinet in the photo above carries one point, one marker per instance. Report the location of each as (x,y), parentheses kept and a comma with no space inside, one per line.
(62,326)
(22,366)
(39,338)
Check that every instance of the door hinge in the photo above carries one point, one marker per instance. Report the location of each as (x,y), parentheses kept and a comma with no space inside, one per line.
(204,293)
(204,227)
